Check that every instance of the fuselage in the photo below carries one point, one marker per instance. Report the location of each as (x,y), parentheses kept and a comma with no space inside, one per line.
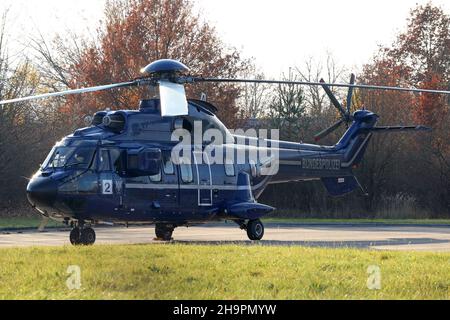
(85,176)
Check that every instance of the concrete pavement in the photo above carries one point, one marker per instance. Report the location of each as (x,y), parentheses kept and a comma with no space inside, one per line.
(417,238)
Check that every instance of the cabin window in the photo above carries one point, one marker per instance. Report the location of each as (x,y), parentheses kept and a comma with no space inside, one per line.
(117,161)
(138,180)
(168,165)
(186,172)
(253,169)
(103,161)
(229,169)
(156,177)
(144,179)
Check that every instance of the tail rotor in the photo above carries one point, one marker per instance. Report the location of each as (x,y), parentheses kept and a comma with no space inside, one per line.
(346,116)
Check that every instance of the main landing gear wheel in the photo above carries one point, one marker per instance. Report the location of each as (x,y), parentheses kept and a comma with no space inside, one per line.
(87,236)
(164,232)
(84,236)
(75,236)
(255,229)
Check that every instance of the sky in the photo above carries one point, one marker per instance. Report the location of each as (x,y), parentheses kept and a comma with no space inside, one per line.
(278,34)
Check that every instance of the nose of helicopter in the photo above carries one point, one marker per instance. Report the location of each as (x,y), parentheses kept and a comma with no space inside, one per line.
(41,192)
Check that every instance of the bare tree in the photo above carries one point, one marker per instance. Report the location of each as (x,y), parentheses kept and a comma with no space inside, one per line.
(288,109)
(54,58)
(27,130)
(314,70)
(254,99)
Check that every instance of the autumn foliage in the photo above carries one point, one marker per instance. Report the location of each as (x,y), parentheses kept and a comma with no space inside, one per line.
(431,108)
(425,49)
(138,32)
(419,57)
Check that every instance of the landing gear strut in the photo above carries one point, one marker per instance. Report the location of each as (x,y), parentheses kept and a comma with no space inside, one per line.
(164,231)
(82,236)
(255,229)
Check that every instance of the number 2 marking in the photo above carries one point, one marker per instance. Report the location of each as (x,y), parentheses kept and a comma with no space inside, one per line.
(107,187)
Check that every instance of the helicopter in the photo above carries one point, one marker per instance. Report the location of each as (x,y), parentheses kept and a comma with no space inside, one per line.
(122,168)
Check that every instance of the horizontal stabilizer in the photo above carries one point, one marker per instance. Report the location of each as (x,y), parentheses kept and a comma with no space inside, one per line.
(340,186)
(395,128)
(249,210)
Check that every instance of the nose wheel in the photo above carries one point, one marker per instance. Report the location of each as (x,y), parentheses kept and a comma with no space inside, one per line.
(255,229)
(82,236)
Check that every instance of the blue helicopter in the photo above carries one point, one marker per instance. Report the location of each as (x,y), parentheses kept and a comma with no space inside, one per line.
(123,169)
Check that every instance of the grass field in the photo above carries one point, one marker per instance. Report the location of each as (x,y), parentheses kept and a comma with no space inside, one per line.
(175,271)
(25,222)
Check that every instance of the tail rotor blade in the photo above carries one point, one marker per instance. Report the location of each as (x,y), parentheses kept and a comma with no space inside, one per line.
(350,94)
(327,131)
(332,97)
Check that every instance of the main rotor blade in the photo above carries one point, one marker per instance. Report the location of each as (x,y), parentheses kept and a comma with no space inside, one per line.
(73,91)
(350,94)
(309,83)
(332,97)
(173,99)
(328,130)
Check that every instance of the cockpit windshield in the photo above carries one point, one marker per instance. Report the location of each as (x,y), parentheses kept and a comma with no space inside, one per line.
(73,157)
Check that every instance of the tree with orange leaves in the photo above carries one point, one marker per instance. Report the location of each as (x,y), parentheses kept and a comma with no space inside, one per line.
(425,50)
(419,57)
(137,32)
(431,108)
(378,169)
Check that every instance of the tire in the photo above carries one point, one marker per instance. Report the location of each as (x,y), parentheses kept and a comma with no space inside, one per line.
(164,232)
(75,236)
(255,229)
(87,237)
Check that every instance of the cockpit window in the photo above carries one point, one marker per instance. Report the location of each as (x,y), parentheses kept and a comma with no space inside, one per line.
(73,157)
(46,162)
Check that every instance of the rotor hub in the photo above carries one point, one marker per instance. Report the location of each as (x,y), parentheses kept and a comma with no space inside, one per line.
(165,66)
